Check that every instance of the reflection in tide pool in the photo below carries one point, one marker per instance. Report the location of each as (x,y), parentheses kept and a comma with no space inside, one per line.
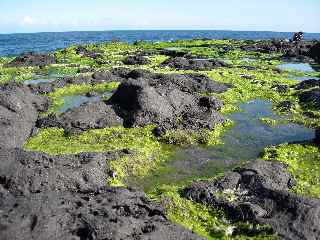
(302,67)
(244,142)
(37,81)
(74,101)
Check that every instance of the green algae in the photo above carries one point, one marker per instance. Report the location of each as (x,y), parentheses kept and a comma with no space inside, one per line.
(204,220)
(202,137)
(147,151)
(304,163)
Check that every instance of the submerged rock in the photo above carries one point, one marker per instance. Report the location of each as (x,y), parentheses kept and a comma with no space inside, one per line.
(18,114)
(32,60)
(95,115)
(259,193)
(182,63)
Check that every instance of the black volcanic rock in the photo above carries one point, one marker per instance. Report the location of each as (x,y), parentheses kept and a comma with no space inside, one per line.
(182,63)
(95,115)
(261,195)
(314,52)
(136,60)
(108,213)
(32,60)
(18,114)
(142,104)
(24,173)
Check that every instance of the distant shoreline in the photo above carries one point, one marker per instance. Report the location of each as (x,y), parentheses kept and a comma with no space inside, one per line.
(18,43)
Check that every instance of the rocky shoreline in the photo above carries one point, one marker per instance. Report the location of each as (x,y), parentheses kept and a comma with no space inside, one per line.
(66,196)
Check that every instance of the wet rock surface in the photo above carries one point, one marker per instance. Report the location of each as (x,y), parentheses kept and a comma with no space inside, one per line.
(259,193)
(182,63)
(18,114)
(32,60)
(94,115)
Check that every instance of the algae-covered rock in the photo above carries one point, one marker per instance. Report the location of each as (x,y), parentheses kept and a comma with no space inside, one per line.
(260,193)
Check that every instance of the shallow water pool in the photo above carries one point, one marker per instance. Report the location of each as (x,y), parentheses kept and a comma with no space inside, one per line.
(302,67)
(243,142)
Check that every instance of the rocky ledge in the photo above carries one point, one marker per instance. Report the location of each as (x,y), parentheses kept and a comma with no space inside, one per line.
(259,193)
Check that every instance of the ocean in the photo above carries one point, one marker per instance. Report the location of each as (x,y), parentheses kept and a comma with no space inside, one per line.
(15,44)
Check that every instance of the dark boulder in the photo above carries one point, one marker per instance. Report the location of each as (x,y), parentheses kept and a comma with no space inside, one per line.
(314,52)
(107,213)
(32,60)
(174,52)
(95,115)
(193,64)
(310,99)
(136,60)
(190,83)
(310,83)
(142,104)
(24,173)
(317,136)
(18,114)
(259,193)
(84,52)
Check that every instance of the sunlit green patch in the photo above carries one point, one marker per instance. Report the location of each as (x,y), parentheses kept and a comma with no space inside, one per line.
(77,89)
(244,90)
(274,122)
(107,54)
(205,137)
(147,151)
(17,73)
(304,164)
(204,220)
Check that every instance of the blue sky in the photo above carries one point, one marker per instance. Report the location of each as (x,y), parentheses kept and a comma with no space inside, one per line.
(77,15)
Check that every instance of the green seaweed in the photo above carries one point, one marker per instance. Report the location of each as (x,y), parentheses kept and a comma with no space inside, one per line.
(304,163)
(204,220)
(147,151)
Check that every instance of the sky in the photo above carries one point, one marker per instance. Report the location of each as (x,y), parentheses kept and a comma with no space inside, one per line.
(97,15)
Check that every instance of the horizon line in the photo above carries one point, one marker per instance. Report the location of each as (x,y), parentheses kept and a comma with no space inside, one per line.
(160,29)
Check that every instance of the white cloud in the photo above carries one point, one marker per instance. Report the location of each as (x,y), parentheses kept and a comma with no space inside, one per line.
(27,20)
